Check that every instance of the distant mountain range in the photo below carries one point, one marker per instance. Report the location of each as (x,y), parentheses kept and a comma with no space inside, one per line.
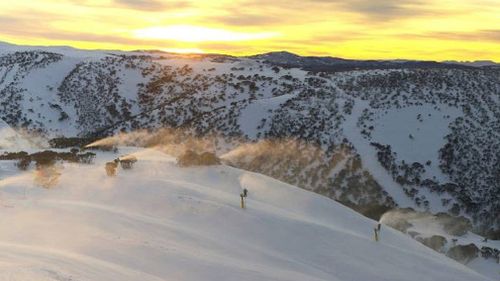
(332,64)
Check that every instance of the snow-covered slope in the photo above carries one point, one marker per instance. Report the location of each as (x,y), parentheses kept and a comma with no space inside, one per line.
(162,222)
(449,236)
(387,134)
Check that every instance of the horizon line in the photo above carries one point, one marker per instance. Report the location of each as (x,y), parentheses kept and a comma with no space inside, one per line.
(166,51)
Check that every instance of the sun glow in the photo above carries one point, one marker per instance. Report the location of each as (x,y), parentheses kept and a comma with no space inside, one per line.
(183,50)
(361,29)
(188,33)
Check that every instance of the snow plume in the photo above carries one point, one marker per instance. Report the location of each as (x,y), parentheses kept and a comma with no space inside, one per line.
(309,166)
(173,141)
(400,218)
(406,220)
(290,156)
(48,176)
(337,173)
(136,138)
(61,175)
(11,139)
(27,182)
(272,148)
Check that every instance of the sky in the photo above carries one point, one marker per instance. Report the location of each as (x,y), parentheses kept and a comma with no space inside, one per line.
(360,29)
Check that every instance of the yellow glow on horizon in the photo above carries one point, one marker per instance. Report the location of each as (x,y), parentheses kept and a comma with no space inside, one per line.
(184,50)
(187,33)
(360,29)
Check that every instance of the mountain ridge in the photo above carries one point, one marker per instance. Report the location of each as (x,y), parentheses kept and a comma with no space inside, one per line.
(283,53)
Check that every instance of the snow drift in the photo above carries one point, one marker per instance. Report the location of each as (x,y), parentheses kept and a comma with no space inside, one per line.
(159,221)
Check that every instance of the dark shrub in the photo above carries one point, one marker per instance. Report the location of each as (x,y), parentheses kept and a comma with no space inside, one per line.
(103,147)
(493,234)
(23,163)
(13,155)
(127,162)
(208,158)
(191,158)
(463,253)
(45,158)
(86,158)
(70,142)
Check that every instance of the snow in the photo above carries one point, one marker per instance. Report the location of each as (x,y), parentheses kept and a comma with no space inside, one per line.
(488,267)
(41,85)
(369,156)
(6,48)
(416,134)
(427,225)
(128,89)
(395,127)
(162,222)
(98,208)
(251,115)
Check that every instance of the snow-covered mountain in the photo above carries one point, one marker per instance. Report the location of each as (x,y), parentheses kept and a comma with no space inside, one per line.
(372,135)
(159,221)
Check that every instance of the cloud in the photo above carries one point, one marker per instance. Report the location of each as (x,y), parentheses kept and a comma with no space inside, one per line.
(27,23)
(190,33)
(384,10)
(485,35)
(38,29)
(345,28)
(336,37)
(152,5)
(377,10)
(244,19)
(492,35)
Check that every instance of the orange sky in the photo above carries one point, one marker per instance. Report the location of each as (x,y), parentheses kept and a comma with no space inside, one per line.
(412,29)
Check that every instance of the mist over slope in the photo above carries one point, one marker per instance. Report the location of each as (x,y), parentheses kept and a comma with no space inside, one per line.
(11,139)
(159,221)
(373,135)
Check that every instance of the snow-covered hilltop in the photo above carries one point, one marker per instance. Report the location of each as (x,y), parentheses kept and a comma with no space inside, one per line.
(159,221)
(372,135)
